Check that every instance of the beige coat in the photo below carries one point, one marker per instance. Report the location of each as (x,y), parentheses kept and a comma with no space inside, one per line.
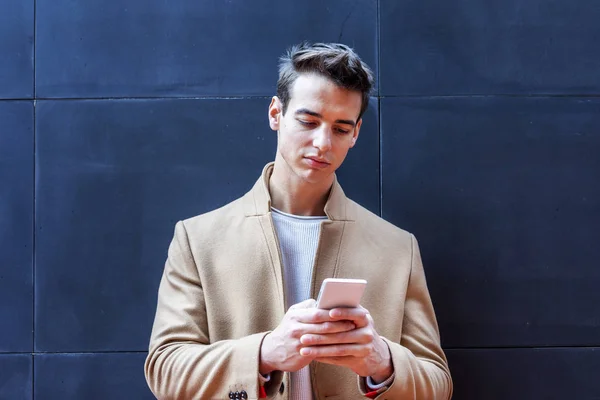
(222,292)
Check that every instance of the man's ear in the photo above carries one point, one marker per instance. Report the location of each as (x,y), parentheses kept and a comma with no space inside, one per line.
(275,113)
(356,132)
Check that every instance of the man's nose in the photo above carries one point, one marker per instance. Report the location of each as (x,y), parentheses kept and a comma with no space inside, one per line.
(322,139)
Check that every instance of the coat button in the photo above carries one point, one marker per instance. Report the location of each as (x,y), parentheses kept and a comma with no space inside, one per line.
(243,394)
(231,395)
(281,388)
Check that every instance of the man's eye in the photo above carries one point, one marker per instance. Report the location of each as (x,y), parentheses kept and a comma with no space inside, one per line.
(342,131)
(307,123)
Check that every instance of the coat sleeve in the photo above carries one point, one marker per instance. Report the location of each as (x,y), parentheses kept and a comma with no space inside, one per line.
(182,362)
(420,366)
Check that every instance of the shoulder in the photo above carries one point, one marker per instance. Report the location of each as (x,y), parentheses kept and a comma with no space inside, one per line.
(371,223)
(216,220)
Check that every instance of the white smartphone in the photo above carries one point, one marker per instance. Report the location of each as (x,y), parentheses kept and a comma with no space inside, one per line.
(336,293)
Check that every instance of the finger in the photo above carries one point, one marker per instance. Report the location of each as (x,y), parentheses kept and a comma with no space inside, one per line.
(298,329)
(358,315)
(338,350)
(358,336)
(332,327)
(326,328)
(332,339)
(311,315)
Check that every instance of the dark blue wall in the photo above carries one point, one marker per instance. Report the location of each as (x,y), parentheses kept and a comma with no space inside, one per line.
(483,138)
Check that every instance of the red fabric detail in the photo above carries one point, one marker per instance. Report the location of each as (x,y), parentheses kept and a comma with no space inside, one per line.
(262,393)
(372,394)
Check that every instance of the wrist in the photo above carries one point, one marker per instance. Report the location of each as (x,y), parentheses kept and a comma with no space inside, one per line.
(383,374)
(265,364)
(386,367)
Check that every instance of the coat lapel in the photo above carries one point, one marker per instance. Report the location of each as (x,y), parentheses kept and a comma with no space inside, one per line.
(339,210)
(325,265)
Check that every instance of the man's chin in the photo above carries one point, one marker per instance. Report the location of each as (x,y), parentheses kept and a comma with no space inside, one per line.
(314,175)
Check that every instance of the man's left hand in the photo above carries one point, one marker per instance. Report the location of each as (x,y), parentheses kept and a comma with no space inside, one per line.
(361,349)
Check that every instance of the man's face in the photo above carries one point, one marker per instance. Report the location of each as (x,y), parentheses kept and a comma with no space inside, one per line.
(319,127)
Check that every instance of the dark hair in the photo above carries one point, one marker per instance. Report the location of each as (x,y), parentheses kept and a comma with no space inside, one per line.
(334,61)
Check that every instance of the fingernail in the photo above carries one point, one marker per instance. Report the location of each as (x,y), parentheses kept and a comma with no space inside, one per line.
(305,352)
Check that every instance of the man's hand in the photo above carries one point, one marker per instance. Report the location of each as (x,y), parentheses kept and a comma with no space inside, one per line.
(362,349)
(280,349)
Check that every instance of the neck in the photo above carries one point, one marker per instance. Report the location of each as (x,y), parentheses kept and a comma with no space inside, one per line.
(294,195)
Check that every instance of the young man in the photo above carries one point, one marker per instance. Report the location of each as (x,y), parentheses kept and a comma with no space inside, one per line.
(236,317)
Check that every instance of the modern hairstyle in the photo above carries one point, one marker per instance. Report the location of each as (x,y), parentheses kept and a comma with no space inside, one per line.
(334,61)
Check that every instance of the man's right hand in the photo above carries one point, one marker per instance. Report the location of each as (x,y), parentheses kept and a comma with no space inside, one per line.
(280,349)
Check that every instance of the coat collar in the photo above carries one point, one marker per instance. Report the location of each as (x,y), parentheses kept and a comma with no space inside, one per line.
(258,200)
